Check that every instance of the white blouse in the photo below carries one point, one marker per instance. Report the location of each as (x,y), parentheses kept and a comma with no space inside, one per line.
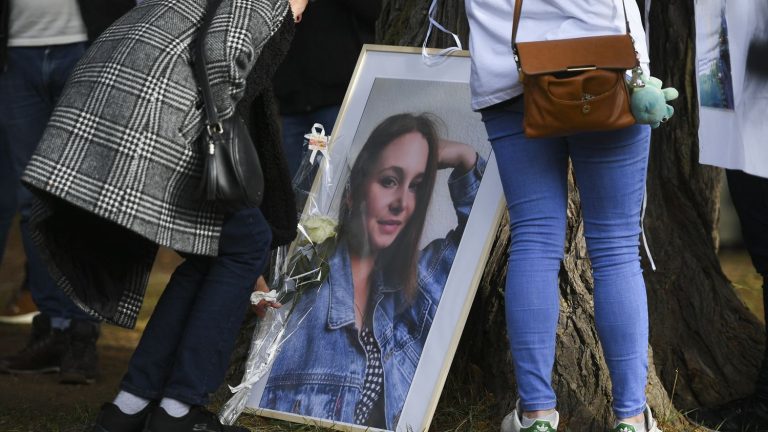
(45,22)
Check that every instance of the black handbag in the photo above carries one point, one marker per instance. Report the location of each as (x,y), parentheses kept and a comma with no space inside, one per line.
(232,175)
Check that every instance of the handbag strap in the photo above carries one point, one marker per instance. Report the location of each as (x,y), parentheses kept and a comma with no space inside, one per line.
(516,21)
(213,123)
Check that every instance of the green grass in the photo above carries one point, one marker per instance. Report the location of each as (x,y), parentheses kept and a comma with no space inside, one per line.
(455,413)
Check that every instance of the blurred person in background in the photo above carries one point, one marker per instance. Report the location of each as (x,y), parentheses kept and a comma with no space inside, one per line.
(311,82)
(115,177)
(747,177)
(40,43)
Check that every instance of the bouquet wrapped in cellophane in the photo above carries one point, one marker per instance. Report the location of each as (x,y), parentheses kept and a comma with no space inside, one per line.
(294,269)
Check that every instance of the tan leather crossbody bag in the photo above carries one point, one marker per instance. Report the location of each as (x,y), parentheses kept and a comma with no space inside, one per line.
(574,85)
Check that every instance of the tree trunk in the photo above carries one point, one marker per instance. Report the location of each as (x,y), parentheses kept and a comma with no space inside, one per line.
(706,345)
(405,22)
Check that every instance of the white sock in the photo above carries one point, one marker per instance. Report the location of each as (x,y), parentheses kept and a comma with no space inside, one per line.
(175,408)
(551,418)
(129,403)
(59,323)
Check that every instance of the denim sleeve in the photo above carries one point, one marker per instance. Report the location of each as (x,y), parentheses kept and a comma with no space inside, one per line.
(437,257)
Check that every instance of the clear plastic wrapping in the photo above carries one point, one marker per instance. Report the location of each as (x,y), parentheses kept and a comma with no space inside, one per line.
(295,269)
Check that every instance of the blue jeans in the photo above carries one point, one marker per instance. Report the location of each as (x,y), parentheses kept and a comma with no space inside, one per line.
(610,170)
(29,90)
(295,126)
(185,349)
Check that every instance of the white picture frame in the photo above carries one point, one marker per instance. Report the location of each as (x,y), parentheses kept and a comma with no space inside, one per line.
(391,80)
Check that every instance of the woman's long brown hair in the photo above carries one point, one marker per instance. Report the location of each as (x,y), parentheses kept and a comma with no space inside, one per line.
(399,261)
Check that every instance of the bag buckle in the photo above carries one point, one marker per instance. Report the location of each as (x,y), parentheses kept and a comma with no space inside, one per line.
(215,129)
(580,68)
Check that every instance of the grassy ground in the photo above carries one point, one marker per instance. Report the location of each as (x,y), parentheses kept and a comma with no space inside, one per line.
(746,281)
(40,404)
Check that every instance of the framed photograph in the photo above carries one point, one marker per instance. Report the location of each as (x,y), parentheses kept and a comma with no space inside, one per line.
(715,82)
(412,181)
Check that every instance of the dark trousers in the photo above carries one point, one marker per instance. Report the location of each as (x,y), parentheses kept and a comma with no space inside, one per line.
(750,197)
(29,90)
(185,349)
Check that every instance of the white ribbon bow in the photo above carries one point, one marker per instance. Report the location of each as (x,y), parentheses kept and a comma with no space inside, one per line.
(442,55)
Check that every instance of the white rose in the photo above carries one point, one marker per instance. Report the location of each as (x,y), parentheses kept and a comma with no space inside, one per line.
(318,228)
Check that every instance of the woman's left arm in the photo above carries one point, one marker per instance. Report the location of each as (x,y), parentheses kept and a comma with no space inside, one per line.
(437,257)
(468,168)
(457,155)
(235,19)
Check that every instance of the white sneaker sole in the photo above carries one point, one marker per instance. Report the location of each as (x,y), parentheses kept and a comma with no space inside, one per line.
(19,319)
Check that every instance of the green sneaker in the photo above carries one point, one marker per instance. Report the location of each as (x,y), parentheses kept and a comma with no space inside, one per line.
(512,423)
(650,424)
(539,426)
(623,427)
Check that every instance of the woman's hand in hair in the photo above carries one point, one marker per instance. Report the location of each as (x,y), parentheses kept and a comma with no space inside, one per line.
(452,154)
(297,7)
(260,309)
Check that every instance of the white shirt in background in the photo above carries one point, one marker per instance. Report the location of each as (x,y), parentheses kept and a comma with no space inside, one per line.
(45,22)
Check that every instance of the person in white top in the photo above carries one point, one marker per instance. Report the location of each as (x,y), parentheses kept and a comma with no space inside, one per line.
(610,170)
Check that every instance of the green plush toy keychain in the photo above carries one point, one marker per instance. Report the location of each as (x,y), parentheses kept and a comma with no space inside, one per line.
(649,101)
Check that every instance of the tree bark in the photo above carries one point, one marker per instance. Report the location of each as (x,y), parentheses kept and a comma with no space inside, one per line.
(405,22)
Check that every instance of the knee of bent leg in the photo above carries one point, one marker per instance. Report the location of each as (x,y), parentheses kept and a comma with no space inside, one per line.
(246,237)
(611,257)
(259,246)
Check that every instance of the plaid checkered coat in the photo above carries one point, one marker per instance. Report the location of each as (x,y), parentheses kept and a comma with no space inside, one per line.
(121,144)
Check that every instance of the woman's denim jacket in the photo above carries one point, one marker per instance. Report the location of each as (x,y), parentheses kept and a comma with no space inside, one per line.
(320,369)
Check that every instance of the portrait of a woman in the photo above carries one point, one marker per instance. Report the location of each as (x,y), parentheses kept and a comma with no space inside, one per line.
(362,333)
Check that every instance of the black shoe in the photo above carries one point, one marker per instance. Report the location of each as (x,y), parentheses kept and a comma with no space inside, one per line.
(43,352)
(198,419)
(749,414)
(111,419)
(80,364)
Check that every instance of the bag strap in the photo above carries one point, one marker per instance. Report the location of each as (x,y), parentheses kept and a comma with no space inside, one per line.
(213,123)
(516,21)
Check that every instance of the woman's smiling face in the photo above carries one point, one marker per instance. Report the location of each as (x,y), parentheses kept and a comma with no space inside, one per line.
(391,188)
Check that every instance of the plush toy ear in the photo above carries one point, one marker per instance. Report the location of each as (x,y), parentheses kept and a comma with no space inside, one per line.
(670,93)
(655,82)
